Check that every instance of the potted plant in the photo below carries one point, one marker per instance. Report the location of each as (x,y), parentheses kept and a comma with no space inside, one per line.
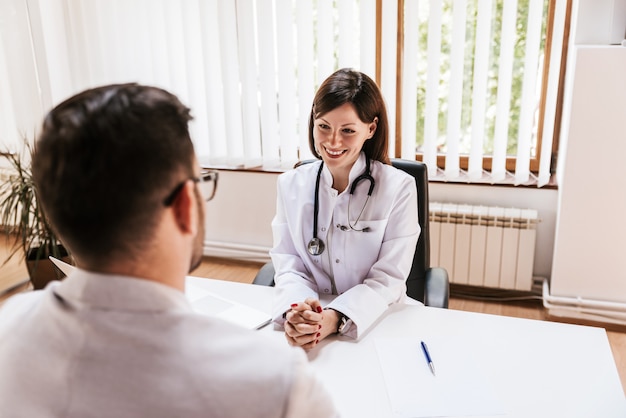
(25,223)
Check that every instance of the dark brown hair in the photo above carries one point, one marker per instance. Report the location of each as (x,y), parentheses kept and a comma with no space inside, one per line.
(350,86)
(104,162)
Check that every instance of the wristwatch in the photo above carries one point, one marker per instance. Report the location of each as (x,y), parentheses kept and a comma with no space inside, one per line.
(344,323)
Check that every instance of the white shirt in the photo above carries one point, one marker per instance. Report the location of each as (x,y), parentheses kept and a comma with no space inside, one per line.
(368,270)
(109,346)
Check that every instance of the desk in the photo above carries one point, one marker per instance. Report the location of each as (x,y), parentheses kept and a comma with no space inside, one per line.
(536,368)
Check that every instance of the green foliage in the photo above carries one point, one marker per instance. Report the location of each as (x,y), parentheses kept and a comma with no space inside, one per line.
(20,213)
(468,72)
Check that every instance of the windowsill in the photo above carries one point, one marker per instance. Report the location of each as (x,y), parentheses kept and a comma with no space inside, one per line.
(256,169)
(509,180)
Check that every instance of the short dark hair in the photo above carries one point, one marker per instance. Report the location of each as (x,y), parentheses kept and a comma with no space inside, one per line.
(105,160)
(350,86)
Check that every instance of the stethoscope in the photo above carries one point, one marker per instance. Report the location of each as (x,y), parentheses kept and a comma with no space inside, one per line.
(316,246)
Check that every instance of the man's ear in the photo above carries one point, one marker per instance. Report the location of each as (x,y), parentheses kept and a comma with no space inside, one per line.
(185,208)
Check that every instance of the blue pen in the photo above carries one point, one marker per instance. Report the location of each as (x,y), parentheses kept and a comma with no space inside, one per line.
(428,359)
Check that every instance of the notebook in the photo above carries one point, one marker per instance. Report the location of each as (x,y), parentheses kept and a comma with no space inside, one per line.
(208,303)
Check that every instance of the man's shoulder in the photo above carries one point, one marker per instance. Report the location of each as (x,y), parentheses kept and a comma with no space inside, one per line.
(21,303)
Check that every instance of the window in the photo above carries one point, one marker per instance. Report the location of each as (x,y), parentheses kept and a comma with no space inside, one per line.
(249,70)
(473,74)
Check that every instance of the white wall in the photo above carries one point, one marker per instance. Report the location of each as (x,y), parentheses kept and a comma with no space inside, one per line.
(599,22)
(238,218)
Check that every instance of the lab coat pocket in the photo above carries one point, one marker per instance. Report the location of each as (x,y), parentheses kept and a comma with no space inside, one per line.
(364,243)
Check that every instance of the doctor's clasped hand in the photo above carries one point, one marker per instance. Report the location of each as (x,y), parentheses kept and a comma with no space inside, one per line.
(307,323)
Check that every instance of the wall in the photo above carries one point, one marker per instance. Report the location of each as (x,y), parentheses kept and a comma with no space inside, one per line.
(599,22)
(238,218)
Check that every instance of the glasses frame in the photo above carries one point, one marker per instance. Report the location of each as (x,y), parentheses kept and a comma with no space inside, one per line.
(206,176)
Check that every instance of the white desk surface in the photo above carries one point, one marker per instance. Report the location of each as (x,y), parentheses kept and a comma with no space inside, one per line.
(533,368)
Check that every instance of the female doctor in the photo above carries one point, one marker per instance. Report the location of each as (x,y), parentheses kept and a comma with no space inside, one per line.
(345,225)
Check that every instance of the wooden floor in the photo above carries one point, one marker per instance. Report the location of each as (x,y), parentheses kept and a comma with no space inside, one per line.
(13,273)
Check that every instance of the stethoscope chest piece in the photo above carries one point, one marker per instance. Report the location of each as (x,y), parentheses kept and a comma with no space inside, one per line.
(316,246)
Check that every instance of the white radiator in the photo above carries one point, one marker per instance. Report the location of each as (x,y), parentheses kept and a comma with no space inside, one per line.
(484,246)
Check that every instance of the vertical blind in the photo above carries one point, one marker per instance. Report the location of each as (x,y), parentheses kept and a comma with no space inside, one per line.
(473,87)
(249,70)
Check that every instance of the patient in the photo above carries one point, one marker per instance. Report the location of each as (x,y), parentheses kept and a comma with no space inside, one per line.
(116,172)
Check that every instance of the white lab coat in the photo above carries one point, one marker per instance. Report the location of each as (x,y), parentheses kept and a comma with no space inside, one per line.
(368,269)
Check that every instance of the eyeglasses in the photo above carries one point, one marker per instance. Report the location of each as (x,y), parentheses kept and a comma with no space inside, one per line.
(207,183)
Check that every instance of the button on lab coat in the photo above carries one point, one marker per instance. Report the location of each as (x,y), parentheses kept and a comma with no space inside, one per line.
(368,269)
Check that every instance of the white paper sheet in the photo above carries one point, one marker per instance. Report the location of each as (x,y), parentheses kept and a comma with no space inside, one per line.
(458,389)
(208,303)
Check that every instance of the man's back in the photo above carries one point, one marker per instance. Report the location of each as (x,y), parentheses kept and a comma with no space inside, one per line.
(98,345)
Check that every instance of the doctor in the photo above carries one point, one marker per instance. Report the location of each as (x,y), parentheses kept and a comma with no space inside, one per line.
(346,225)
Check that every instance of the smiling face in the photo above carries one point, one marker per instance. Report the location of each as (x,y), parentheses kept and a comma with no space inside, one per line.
(349,96)
(339,136)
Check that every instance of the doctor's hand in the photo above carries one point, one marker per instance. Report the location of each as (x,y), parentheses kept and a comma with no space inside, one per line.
(306,324)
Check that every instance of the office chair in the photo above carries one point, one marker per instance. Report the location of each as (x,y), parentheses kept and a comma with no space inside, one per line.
(427,284)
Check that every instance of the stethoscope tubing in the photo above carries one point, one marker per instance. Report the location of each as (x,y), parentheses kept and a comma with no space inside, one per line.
(316,246)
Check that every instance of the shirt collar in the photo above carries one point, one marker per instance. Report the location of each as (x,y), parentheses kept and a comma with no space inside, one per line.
(105,291)
(357,169)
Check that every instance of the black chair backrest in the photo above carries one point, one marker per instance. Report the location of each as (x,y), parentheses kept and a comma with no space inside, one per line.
(421,260)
